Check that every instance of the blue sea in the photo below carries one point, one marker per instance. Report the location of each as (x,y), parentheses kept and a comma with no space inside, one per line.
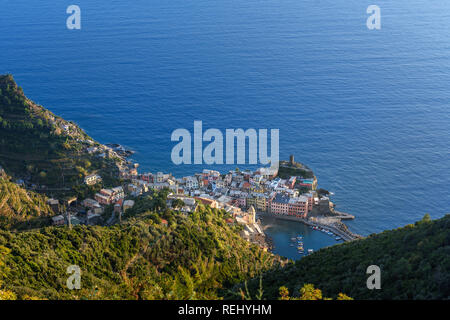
(367,110)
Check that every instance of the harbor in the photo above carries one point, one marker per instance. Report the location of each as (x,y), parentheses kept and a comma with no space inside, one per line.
(294,237)
(332,225)
(294,240)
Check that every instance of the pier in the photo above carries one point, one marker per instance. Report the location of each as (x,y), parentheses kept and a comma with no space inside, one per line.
(343,215)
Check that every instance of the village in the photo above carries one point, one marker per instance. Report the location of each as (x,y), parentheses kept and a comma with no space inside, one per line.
(245,195)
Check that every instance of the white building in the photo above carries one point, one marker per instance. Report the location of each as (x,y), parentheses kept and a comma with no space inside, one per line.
(127,205)
(92,179)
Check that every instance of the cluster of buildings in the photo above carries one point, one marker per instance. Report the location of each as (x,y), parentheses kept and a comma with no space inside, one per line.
(89,211)
(103,151)
(240,193)
(109,196)
(235,191)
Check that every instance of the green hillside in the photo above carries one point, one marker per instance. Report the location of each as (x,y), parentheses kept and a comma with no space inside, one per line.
(192,257)
(19,207)
(158,253)
(201,257)
(42,148)
(414,262)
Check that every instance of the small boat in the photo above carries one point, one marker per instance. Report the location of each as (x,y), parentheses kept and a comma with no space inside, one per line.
(293,239)
(310,250)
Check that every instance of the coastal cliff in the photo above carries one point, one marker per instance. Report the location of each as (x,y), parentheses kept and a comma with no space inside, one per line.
(44,151)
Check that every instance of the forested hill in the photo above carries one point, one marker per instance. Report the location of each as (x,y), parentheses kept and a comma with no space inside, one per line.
(40,147)
(19,207)
(164,255)
(414,262)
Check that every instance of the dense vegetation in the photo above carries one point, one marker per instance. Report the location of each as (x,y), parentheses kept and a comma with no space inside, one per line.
(160,253)
(20,208)
(4,294)
(287,170)
(308,292)
(414,262)
(41,148)
(194,256)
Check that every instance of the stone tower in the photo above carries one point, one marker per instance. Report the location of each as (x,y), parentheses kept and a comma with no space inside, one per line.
(251,215)
(291,160)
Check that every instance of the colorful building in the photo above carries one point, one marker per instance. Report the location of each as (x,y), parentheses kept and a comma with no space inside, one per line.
(311,184)
(258,201)
(285,205)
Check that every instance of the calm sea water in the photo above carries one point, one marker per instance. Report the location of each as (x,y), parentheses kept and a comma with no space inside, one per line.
(367,110)
(282,232)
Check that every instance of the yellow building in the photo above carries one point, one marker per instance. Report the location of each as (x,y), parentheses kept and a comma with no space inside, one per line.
(258,201)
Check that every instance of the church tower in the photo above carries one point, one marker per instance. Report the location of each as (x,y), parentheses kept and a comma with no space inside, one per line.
(252,215)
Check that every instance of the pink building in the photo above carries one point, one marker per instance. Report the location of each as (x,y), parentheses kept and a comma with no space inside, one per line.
(108,196)
(104,197)
(299,206)
(282,204)
(242,202)
(147,177)
(310,200)
(291,183)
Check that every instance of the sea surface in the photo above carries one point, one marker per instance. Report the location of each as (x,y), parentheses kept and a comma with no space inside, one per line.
(367,110)
(282,233)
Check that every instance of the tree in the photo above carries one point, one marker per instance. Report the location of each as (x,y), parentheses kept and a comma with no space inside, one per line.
(159,204)
(284,293)
(308,292)
(4,294)
(177,203)
(322,191)
(342,296)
